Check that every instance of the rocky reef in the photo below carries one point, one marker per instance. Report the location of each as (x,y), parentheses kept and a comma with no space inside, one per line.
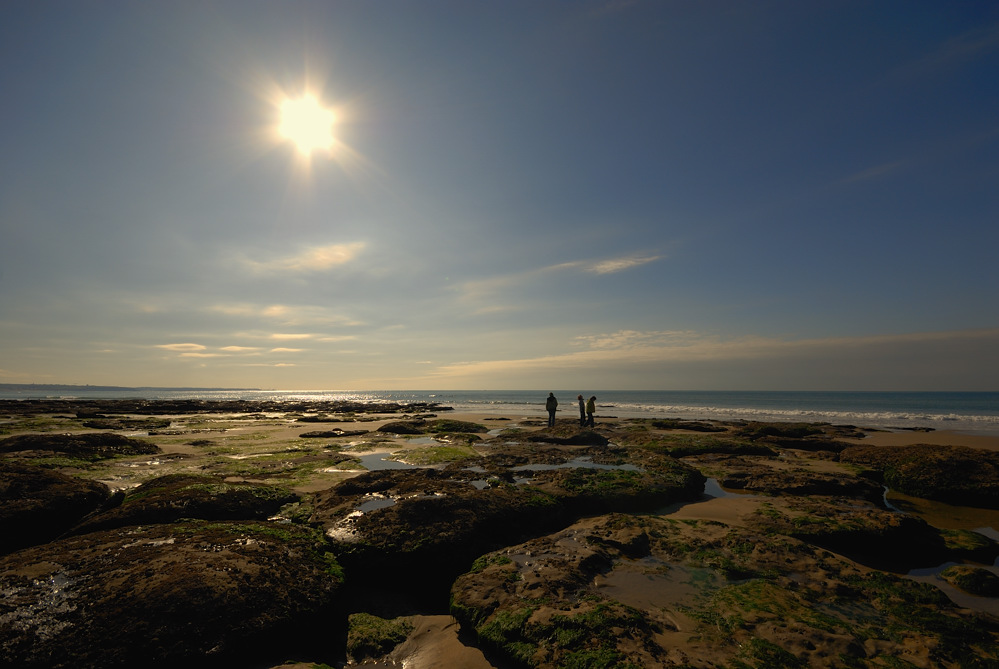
(955,474)
(648,591)
(230,535)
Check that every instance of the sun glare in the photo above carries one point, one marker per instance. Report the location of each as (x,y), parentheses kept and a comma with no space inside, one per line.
(306,123)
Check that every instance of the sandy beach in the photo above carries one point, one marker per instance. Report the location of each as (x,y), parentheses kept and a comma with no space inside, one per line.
(937,438)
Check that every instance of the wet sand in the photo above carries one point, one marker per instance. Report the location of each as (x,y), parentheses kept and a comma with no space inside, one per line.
(936,438)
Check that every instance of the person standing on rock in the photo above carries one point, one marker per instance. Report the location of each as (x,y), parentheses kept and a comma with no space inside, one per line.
(582,411)
(591,407)
(551,404)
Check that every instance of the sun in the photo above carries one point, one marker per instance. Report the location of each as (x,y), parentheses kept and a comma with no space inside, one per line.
(307,124)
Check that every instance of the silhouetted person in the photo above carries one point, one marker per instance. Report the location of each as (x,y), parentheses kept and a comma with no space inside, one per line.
(582,411)
(551,404)
(591,407)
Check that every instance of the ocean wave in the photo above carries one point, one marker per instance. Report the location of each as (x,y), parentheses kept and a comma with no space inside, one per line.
(873,418)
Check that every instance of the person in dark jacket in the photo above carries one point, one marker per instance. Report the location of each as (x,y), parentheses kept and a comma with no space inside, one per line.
(591,407)
(551,404)
(582,411)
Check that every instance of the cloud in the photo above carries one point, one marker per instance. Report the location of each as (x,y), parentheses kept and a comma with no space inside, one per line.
(286,314)
(968,46)
(182,347)
(290,335)
(872,173)
(287,350)
(687,359)
(606,266)
(484,290)
(619,264)
(631,339)
(314,259)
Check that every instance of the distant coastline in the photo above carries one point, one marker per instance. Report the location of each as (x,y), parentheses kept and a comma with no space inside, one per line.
(29,387)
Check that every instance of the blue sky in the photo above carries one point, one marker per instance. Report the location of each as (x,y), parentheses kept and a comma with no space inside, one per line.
(646,195)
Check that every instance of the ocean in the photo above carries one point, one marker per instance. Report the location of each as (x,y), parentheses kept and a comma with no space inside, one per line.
(971,412)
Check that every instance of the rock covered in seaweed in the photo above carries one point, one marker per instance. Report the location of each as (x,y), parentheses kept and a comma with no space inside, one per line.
(197,593)
(651,591)
(87,446)
(870,535)
(38,504)
(439,520)
(953,474)
(170,498)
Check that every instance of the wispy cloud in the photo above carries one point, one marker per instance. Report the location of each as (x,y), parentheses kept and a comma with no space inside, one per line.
(605,266)
(967,46)
(291,335)
(312,259)
(483,290)
(185,347)
(285,314)
(872,173)
(615,265)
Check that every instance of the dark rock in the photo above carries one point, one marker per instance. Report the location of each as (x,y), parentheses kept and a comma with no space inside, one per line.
(457,426)
(404,427)
(571,437)
(969,545)
(169,498)
(89,446)
(755,430)
(332,434)
(952,474)
(974,580)
(317,419)
(872,536)
(719,446)
(369,636)
(433,522)
(37,504)
(802,482)
(686,425)
(127,423)
(807,444)
(194,594)
(654,592)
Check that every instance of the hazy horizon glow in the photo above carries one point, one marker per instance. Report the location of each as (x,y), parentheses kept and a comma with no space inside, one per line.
(616,195)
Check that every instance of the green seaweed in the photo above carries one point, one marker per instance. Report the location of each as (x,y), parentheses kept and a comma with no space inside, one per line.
(458,426)
(480,563)
(767,655)
(434,455)
(371,636)
(974,580)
